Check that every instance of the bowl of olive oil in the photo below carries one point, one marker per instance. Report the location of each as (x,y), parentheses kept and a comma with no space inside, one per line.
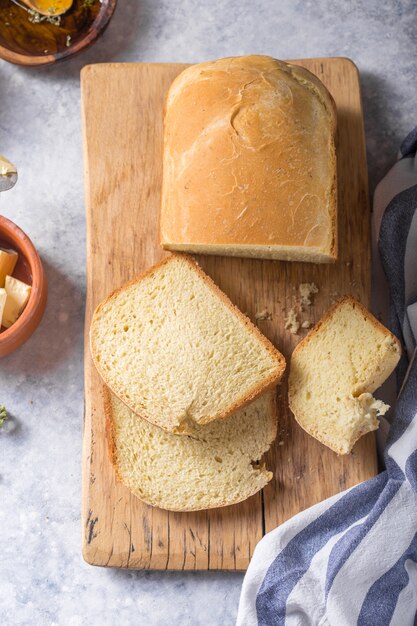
(41,32)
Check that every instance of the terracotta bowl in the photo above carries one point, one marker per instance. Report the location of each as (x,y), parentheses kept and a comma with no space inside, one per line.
(28,269)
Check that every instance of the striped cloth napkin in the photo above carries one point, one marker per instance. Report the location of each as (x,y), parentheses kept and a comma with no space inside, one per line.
(352,559)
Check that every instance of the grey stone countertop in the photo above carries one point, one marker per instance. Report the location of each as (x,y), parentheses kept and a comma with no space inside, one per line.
(43,579)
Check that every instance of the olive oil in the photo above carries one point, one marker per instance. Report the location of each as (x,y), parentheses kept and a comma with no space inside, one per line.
(25,31)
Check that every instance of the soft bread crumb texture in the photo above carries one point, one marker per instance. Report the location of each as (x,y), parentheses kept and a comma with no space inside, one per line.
(249,166)
(334,371)
(218,465)
(291,322)
(173,348)
(307,290)
(263,315)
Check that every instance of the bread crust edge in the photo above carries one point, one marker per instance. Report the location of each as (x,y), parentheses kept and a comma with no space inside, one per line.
(111,447)
(377,324)
(252,394)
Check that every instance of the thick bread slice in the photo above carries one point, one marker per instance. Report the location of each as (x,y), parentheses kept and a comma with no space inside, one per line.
(334,371)
(249,162)
(175,350)
(216,466)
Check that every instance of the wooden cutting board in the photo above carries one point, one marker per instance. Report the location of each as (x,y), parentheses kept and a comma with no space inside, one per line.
(122,107)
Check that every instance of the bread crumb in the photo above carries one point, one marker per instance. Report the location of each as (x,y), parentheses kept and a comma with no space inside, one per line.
(306,324)
(263,315)
(280,443)
(291,322)
(307,290)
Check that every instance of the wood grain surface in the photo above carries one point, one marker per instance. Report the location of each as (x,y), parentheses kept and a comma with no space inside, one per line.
(122,107)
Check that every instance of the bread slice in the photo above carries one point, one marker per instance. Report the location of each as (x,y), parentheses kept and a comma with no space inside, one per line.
(176,351)
(249,163)
(334,371)
(216,466)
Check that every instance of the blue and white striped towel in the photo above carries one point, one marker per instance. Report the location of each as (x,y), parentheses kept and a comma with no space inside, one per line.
(352,559)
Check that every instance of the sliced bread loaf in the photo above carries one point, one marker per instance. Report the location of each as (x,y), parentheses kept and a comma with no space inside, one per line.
(216,466)
(334,371)
(176,351)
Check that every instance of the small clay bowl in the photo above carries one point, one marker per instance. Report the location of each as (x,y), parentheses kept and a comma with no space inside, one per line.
(29,269)
(25,42)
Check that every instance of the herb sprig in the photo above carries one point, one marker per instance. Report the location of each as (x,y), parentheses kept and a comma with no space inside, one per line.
(3,414)
(37,18)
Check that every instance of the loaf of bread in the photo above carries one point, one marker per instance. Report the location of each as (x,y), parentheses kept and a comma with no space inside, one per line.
(249,166)
(218,465)
(334,371)
(176,351)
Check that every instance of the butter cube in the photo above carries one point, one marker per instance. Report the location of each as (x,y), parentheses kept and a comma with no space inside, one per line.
(3,296)
(17,298)
(8,260)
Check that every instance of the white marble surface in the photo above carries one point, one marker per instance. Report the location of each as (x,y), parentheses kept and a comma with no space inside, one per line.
(43,579)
